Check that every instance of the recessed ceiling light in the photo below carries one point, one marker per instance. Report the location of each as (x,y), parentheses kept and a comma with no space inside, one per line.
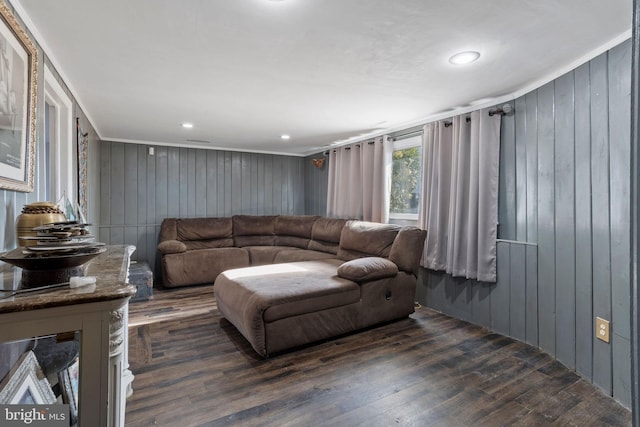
(464,58)
(285,137)
(187,125)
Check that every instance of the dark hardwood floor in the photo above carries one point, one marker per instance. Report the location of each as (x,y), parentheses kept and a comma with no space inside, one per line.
(192,368)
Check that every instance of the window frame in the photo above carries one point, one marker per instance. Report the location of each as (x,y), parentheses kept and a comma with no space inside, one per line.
(403,144)
(61,163)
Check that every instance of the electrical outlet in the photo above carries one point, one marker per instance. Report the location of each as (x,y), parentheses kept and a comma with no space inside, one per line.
(602,329)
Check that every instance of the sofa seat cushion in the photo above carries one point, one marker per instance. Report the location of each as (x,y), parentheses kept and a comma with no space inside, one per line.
(296,255)
(260,255)
(208,244)
(201,265)
(267,293)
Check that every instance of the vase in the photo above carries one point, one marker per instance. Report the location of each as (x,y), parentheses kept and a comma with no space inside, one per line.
(34,215)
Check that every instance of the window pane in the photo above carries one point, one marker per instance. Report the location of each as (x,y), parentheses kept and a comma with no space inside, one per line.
(405,181)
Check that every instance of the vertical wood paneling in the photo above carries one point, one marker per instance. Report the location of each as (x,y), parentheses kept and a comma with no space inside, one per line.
(173,182)
(481,302)
(184,198)
(236,182)
(268,185)
(518,291)
(162,184)
(222,196)
(501,296)
(620,149)
(565,249)
(117,202)
(531,305)
(130,184)
(228,186)
(191,183)
(600,215)
(531,142)
(212,184)
(260,184)
(246,183)
(507,195)
(254,184)
(546,220)
(105,184)
(521,170)
(151,188)
(141,243)
(200,183)
(277,185)
(584,287)
(142,184)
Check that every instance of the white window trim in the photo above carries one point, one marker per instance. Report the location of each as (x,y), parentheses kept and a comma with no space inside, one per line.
(62,148)
(403,144)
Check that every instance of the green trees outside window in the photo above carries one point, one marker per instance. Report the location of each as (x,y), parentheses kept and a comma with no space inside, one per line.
(405,181)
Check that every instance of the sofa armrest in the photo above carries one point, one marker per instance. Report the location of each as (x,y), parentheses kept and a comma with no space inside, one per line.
(368,268)
(171,247)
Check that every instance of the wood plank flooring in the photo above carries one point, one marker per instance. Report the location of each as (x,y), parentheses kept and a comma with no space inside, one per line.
(192,368)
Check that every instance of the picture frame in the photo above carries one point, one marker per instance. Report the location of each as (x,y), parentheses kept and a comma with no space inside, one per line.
(83,159)
(25,384)
(18,99)
(68,380)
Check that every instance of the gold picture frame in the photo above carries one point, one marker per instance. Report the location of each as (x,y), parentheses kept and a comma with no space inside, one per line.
(18,99)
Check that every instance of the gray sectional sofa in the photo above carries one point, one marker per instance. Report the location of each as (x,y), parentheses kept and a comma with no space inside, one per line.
(285,281)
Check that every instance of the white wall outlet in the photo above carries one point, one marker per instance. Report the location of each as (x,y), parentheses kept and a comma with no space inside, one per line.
(602,329)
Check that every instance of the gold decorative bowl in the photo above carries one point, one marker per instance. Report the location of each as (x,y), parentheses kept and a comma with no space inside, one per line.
(33,215)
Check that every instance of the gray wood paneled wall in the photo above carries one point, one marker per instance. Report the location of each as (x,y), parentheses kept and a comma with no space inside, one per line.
(139,190)
(565,191)
(316,185)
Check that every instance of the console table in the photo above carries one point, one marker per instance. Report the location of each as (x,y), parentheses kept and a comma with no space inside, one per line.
(100,313)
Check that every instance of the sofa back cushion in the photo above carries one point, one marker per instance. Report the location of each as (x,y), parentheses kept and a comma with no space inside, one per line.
(190,229)
(168,230)
(294,230)
(362,239)
(407,248)
(325,234)
(254,230)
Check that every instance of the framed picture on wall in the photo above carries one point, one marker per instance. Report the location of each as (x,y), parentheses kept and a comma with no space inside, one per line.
(18,71)
(83,158)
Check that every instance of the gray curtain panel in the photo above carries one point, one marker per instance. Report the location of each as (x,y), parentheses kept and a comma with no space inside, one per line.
(459,207)
(359,181)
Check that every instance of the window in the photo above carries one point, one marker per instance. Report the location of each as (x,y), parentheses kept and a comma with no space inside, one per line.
(59,166)
(406,177)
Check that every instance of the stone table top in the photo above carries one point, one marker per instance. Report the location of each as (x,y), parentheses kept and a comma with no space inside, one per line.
(110,269)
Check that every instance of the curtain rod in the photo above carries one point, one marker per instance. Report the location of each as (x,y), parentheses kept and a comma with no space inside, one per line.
(348,147)
(503,111)
(449,123)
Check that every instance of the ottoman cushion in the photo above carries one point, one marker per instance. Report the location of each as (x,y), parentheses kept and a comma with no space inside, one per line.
(252,296)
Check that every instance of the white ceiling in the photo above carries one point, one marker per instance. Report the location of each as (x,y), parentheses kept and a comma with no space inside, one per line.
(246,71)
